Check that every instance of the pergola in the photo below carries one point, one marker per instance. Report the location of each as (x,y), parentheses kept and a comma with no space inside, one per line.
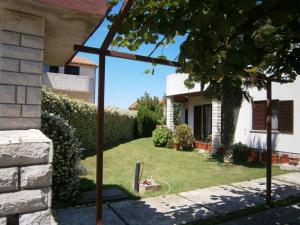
(102,52)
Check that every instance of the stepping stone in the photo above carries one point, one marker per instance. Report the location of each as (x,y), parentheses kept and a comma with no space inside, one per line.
(224,199)
(108,195)
(280,189)
(169,210)
(84,216)
(293,178)
(288,215)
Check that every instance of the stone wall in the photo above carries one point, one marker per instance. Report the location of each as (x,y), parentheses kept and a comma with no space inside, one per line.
(21,51)
(25,177)
(170,113)
(216,125)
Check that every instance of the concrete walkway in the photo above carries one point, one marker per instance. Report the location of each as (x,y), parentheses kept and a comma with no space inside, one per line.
(185,207)
(286,215)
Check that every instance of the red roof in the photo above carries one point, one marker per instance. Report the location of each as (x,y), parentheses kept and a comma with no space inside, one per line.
(82,61)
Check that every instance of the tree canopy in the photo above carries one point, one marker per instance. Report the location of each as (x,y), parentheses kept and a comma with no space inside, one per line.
(223,38)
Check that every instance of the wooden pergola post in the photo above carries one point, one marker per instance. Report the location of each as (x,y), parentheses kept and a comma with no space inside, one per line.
(269,143)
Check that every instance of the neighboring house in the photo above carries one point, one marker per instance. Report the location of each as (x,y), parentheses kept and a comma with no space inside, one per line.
(76,80)
(203,115)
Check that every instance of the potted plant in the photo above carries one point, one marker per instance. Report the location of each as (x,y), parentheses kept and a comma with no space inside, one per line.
(184,136)
(284,158)
(208,145)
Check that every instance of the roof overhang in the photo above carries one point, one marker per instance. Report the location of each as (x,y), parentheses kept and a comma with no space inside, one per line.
(67,22)
(185,97)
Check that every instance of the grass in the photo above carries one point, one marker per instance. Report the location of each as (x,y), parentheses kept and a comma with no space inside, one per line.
(183,171)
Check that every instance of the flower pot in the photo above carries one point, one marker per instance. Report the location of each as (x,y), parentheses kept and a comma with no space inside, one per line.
(208,148)
(254,156)
(177,146)
(284,158)
(200,145)
(275,159)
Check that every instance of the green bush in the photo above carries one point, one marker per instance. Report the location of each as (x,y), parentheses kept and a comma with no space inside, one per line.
(66,157)
(161,135)
(240,152)
(146,122)
(118,124)
(184,136)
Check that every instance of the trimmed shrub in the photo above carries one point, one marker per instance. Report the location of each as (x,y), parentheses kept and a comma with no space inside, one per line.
(240,152)
(66,157)
(184,136)
(161,135)
(119,125)
(146,122)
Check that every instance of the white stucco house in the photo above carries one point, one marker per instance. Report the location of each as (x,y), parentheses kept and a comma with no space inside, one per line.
(76,80)
(203,115)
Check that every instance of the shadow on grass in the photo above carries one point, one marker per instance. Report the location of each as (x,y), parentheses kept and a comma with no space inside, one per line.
(220,160)
(89,185)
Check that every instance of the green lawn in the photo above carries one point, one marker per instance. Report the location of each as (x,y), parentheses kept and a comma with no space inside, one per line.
(183,171)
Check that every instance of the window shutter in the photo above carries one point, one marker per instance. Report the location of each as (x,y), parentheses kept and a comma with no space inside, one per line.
(286,116)
(259,115)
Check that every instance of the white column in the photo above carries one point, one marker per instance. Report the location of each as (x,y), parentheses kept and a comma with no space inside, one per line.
(216,125)
(170,113)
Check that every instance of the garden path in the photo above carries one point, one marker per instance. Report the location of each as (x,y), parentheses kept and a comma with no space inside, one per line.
(187,207)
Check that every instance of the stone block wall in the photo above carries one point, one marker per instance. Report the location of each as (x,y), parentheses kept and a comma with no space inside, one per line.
(25,177)
(170,113)
(216,125)
(21,67)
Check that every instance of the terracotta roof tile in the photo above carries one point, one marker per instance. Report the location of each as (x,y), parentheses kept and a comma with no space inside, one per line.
(82,61)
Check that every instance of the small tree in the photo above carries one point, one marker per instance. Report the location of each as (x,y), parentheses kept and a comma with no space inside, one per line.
(150,114)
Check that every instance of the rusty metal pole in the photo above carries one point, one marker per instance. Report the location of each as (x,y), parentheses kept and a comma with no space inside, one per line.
(100,140)
(269,143)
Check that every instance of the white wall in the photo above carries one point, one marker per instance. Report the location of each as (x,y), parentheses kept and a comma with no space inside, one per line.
(85,71)
(257,139)
(175,85)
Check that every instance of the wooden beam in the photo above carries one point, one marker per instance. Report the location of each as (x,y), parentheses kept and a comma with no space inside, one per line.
(123,55)
(141,58)
(117,24)
(91,50)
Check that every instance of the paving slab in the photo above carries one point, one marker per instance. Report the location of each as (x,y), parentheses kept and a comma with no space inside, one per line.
(280,190)
(293,178)
(169,210)
(85,216)
(224,199)
(286,215)
(108,195)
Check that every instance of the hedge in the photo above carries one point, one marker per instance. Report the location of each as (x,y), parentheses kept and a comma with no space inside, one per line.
(119,124)
(147,121)
(66,157)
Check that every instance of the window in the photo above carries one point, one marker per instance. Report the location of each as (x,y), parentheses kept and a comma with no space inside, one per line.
(281,113)
(53,69)
(74,70)
(202,121)
(186,116)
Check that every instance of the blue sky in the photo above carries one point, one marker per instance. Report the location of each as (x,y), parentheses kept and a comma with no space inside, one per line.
(125,79)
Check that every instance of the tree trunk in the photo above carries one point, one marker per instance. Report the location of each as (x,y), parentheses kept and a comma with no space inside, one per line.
(228,119)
